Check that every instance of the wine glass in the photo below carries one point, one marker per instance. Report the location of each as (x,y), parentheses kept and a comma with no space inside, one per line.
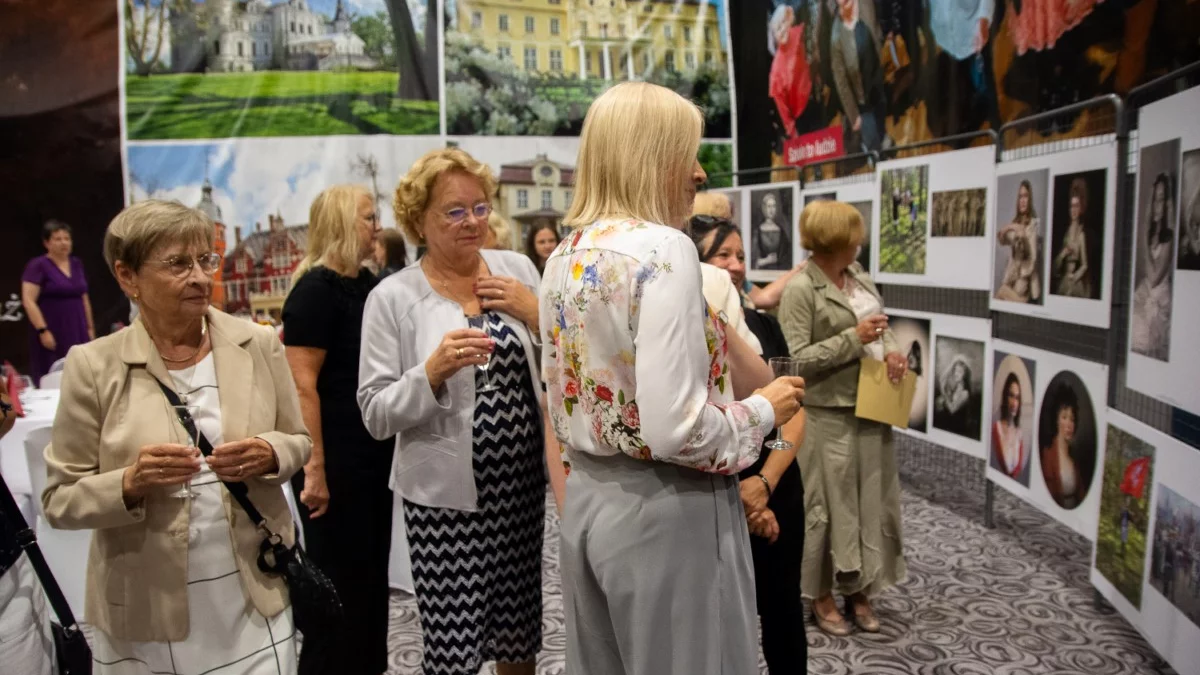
(783,366)
(191,438)
(481,322)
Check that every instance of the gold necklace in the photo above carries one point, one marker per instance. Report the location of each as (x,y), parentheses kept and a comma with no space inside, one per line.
(441,280)
(203,334)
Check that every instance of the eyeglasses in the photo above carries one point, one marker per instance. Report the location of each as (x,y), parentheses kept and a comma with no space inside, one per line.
(458,215)
(181,265)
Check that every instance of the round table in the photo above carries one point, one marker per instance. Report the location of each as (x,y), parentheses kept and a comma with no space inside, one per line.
(40,406)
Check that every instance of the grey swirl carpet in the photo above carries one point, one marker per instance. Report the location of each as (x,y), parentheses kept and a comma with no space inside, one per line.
(1010,601)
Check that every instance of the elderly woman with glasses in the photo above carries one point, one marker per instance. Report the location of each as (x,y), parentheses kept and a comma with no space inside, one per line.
(450,367)
(173,583)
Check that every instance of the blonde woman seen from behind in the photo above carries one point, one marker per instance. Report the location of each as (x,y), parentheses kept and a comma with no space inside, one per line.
(342,495)
(465,406)
(644,384)
(170,579)
(832,317)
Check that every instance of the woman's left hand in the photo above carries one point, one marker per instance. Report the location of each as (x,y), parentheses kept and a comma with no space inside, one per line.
(763,524)
(754,495)
(510,296)
(897,366)
(235,462)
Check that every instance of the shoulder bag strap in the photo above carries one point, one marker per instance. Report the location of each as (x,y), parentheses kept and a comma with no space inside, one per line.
(237,490)
(27,540)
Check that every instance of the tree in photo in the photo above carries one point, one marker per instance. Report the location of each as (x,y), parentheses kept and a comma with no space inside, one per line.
(145,33)
(417,62)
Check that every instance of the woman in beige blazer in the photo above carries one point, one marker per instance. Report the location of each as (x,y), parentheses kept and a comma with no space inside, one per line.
(832,317)
(172,581)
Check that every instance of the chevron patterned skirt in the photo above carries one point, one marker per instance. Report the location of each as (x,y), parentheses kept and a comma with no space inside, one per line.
(478,576)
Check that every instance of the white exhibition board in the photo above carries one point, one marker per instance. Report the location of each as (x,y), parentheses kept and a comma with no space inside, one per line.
(934,220)
(857,191)
(1070,278)
(1046,429)
(1137,564)
(954,402)
(1165,314)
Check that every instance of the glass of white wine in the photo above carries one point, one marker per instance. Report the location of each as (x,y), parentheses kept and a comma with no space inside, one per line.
(481,322)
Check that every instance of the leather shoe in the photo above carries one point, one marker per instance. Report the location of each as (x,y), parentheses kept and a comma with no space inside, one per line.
(837,627)
(864,617)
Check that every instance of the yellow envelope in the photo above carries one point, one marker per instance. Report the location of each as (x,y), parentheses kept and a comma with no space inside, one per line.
(880,399)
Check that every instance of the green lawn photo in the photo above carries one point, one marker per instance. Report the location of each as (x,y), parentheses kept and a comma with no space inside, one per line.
(272,103)
(1123,562)
(902,238)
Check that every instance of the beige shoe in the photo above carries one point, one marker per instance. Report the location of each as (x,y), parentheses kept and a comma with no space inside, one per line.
(836,626)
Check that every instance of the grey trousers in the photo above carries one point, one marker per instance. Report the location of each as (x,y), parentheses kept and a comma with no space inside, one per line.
(656,571)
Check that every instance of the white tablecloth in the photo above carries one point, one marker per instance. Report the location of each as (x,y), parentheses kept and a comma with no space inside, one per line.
(40,406)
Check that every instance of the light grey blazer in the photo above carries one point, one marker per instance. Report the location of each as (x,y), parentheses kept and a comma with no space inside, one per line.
(403,323)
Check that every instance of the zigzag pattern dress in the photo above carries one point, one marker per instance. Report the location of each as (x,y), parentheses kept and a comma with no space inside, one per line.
(478,576)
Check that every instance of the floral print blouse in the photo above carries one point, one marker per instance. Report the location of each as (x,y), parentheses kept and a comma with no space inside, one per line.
(634,360)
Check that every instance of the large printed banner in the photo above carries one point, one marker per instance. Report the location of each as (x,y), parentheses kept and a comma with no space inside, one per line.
(1145,559)
(817,79)
(1164,313)
(249,109)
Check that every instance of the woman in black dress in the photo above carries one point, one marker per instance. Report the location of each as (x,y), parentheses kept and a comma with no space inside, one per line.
(343,497)
(772,490)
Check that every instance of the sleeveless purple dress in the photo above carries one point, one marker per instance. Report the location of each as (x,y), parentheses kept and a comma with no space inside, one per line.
(61,302)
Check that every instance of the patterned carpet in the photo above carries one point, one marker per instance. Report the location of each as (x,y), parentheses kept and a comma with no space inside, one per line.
(1010,601)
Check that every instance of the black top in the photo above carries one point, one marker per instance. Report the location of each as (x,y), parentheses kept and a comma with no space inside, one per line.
(325,311)
(766,328)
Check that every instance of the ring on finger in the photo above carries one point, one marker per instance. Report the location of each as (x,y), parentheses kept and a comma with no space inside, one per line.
(458,353)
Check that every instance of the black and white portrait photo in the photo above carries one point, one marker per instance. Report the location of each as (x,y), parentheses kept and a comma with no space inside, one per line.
(1189,215)
(1157,197)
(771,229)
(1077,234)
(958,388)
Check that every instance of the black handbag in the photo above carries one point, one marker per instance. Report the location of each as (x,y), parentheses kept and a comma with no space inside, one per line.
(315,604)
(71,649)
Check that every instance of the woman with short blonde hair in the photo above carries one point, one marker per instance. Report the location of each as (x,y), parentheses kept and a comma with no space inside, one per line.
(173,575)
(499,233)
(342,495)
(643,381)
(832,317)
(449,367)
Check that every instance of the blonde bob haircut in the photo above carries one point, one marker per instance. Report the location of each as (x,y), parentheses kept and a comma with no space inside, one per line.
(636,154)
(333,230)
(415,188)
(143,227)
(501,231)
(828,227)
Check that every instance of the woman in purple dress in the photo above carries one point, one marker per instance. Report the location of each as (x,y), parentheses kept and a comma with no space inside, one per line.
(54,293)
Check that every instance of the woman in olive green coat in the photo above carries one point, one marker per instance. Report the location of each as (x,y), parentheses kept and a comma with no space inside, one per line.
(832,316)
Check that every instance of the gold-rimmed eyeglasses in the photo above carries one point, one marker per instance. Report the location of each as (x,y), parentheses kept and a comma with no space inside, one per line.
(181,265)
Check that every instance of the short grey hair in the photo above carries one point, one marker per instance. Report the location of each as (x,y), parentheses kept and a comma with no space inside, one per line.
(144,226)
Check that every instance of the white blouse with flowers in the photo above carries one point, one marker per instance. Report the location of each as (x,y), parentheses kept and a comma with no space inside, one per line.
(634,360)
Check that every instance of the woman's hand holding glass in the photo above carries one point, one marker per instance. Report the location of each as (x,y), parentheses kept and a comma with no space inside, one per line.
(159,466)
(871,328)
(239,460)
(461,348)
(786,395)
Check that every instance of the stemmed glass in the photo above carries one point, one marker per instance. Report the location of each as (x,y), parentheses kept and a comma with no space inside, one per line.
(783,366)
(192,438)
(481,322)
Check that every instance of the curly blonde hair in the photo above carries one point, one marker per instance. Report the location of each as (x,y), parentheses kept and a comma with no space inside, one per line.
(415,188)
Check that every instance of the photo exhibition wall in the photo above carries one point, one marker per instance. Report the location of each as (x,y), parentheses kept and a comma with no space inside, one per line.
(1165,294)
(934,219)
(1149,534)
(950,356)
(859,191)
(769,217)
(1045,431)
(1053,249)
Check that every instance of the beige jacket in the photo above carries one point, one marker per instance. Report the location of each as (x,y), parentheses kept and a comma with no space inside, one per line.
(111,406)
(819,325)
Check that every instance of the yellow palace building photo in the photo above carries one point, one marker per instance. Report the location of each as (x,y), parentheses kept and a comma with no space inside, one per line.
(607,40)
